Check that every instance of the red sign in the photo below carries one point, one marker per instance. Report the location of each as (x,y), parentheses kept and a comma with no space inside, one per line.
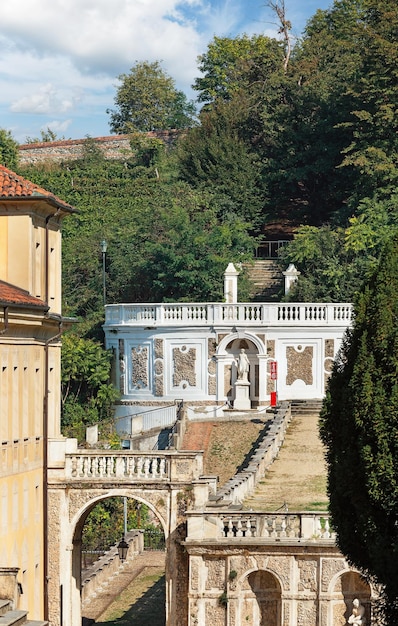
(274,370)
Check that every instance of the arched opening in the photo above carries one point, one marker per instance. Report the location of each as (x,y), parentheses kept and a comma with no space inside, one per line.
(260,600)
(234,350)
(111,588)
(348,586)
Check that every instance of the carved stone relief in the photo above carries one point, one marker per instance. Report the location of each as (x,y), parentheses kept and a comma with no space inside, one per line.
(282,567)
(159,367)
(331,567)
(308,575)
(184,360)
(194,564)
(299,364)
(214,614)
(306,613)
(211,367)
(215,573)
(139,360)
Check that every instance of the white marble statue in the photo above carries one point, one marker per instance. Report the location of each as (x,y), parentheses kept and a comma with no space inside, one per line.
(243,365)
(358,614)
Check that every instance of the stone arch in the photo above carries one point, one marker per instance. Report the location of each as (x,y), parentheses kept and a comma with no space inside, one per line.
(87,502)
(81,515)
(260,599)
(344,587)
(245,335)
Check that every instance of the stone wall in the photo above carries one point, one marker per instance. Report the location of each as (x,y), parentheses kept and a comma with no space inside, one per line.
(113,147)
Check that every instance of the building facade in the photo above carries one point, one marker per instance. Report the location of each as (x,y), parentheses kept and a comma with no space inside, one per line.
(165,352)
(30,329)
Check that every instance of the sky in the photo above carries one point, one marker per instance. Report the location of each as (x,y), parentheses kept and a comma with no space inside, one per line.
(60,59)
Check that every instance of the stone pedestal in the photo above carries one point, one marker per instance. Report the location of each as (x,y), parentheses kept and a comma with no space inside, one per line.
(242,395)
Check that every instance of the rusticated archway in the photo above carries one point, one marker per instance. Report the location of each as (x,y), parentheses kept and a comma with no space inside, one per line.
(260,600)
(347,587)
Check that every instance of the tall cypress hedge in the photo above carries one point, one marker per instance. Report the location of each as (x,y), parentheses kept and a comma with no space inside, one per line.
(359,427)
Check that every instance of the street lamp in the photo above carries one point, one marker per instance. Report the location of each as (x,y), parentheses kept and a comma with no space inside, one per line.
(123,549)
(104,247)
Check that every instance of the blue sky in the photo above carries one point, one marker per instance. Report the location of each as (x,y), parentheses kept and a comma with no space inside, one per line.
(60,59)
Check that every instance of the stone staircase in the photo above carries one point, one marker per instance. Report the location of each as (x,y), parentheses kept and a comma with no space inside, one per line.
(296,481)
(266,278)
(11,617)
(306,407)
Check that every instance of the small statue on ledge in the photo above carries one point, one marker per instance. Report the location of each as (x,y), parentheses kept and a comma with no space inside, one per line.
(358,614)
(243,365)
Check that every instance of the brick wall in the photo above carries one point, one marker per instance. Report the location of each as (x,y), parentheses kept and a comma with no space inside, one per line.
(113,147)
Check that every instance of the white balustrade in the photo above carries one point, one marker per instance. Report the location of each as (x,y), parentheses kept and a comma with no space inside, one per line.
(207,314)
(273,526)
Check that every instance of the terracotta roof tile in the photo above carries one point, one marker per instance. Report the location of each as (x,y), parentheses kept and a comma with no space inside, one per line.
(14,186)
(9,294)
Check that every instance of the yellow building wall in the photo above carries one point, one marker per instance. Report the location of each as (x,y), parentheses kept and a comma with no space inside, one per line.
(24,248)
(21,469)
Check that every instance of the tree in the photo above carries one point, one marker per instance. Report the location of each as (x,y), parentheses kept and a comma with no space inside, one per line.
(359,427)
(147,100)
(45,136)
(230,65)
(87,394)
(8,149)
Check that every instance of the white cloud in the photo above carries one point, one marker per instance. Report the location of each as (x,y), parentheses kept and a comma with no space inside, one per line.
(47,100)
(61,58)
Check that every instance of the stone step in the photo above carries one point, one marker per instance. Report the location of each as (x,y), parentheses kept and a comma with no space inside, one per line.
(5,605)
(13,618)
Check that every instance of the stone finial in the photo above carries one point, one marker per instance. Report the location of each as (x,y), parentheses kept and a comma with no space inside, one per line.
(231,284)
(291,275)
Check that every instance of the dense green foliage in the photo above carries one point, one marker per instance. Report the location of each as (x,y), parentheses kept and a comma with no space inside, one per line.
(8,149)
(359,427)
(147,100)
(86,392)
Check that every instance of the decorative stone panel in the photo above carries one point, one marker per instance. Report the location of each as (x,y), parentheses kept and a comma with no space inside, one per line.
(122,368)
(271,348)
(308,575)
(195,562)
(214,614)
(299,364)
(184,360)
(306,613)
(215,574)
(286,614)
(211,367)
(159,367)
(330,568)
(329,359)
(139,360)
(282,568)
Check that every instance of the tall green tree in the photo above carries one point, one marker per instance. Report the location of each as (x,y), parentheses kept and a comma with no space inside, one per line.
(8,149)
(359,427)
(148,100)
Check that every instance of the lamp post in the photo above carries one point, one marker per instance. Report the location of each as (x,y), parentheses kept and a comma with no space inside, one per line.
(104,247)
(123,549)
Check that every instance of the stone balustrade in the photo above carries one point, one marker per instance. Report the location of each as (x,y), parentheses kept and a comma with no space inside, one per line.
(133,466)
(98,575)
(268,527)
(249,314)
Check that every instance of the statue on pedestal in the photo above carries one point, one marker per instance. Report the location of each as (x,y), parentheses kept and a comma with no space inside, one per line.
(243,365)
(358,614)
